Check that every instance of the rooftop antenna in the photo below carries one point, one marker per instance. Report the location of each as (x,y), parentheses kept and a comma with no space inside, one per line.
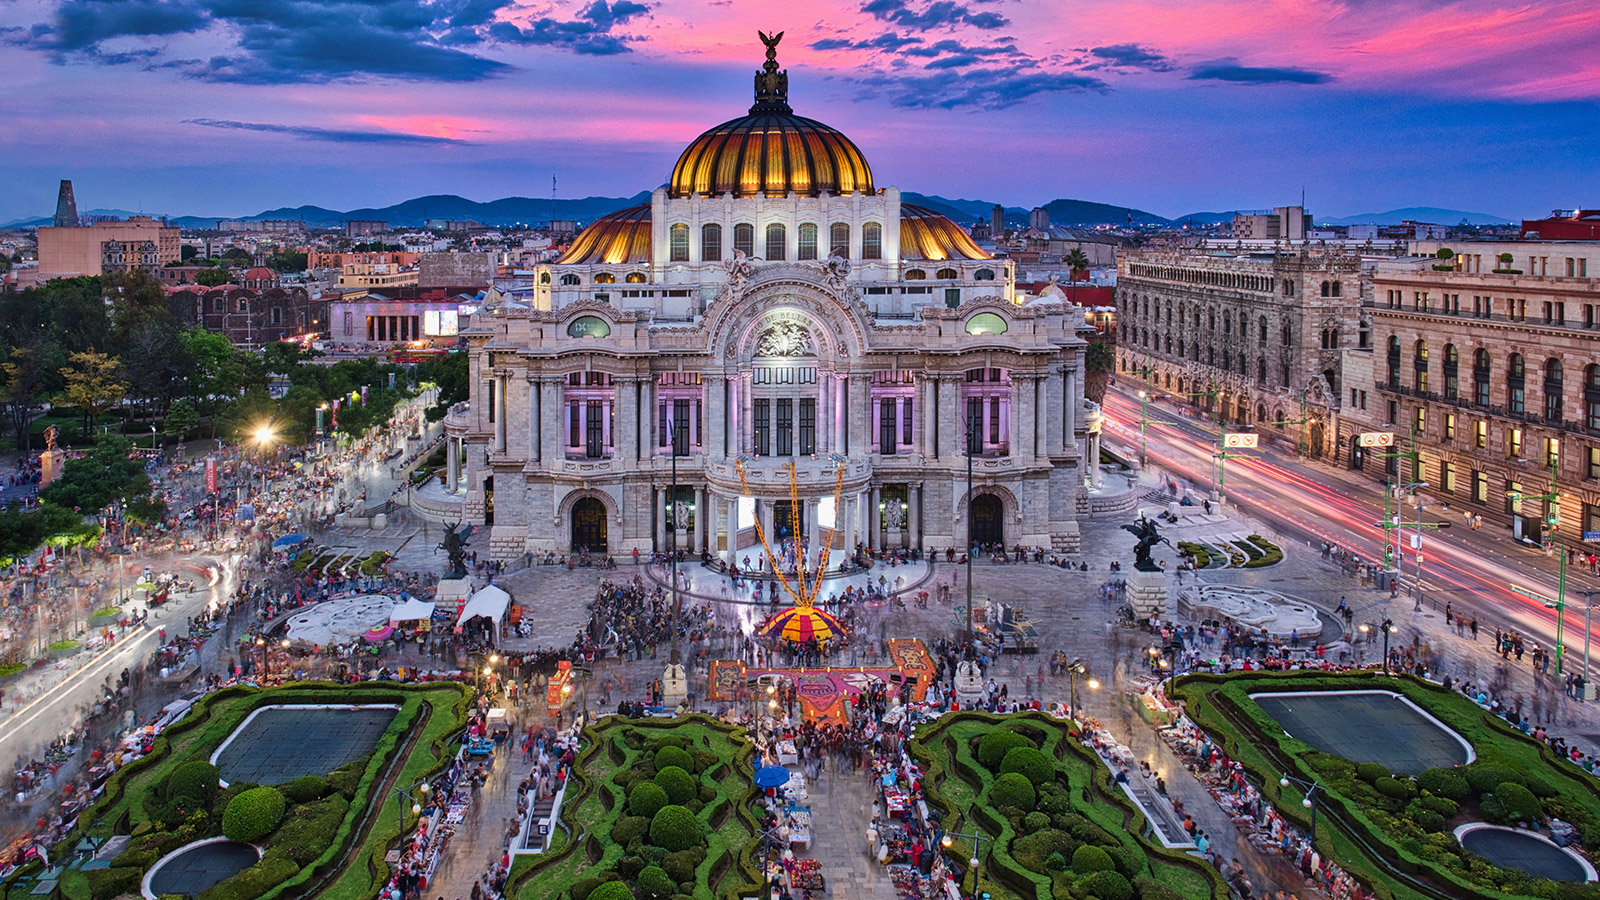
(552,186)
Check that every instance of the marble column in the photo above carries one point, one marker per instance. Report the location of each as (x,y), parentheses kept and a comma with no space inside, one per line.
(813,534)
(1095,473)
(716,389)
(951,413)
(860,437)
(500,382)
(552,427)
(1072,402)
(627,412)
(1022,411)
(658,496)
(452,463)
(929,414)
(1050,408)
(746,414)
(914,518)
(848,514)
(875,519)
(764,512)
(824,419)
(704,520)
(733,529)
(606,410)
(840,423)
(647,425)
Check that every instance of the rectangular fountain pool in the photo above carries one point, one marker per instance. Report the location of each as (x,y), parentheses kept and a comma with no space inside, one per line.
(277,744)
(1368,726)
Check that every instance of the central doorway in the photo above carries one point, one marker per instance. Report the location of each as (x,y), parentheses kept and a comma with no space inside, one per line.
(589,526)
(783,512)
(987,527)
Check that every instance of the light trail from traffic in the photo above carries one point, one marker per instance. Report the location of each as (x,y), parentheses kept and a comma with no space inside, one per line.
(1477,584)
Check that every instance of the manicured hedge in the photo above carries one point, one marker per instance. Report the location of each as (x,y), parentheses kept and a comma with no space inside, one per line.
(253,814)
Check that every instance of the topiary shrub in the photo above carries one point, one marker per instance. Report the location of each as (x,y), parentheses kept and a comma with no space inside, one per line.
(1033,851)
(611,890)
(1104,885)
(1029,763)
(1393,788)
(1443,783)
(674,756)
(193,783)
(1036,821)
(645,799)
(654,884)
(310,828)
(305,789)
(1371,772)
(680,786)
(253,814)
(675,828)
(630,827)
(1485,777)
(630,866)
(107,883)
(1444,806)
(1055,862)
(1542,789)
(1517,803)
(680,866)
(1012,789)
(994,746)
(1089,858)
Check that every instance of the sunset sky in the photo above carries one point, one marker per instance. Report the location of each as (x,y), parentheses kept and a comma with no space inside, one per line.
(230,107)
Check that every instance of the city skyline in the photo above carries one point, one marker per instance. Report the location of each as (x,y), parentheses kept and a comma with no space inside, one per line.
(220,110)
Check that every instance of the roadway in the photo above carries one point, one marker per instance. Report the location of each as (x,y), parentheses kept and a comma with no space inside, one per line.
(1477,571)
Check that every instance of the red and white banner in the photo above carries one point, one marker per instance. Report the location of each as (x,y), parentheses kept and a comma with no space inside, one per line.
(211,475)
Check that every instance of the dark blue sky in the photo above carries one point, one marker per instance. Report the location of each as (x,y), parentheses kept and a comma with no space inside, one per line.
(229,107)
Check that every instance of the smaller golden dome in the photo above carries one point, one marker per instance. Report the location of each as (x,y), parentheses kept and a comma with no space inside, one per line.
(924,234)
(615,239)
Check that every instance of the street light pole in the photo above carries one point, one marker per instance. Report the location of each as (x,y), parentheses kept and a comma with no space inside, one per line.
(1310,800)
(1387,627)
(1588,608)
(672,533)
(972,433)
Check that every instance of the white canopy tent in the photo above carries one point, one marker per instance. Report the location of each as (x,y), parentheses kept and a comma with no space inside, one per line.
(411,611)
(491,603)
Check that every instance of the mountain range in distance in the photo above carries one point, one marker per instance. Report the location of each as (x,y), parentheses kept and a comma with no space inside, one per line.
(526,210)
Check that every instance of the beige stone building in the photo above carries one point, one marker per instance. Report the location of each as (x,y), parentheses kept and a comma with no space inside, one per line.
(1498,378)
(140,242)
(1256,338)
(811,351)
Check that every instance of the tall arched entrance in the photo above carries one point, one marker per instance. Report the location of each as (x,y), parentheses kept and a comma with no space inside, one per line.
(589,526)
(1314,445)
(987,524)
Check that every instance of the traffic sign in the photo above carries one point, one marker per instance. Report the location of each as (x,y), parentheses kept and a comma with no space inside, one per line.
(1240,441)
(1591,535)
(1377,439)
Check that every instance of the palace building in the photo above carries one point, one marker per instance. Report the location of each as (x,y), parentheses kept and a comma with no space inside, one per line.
(800,346)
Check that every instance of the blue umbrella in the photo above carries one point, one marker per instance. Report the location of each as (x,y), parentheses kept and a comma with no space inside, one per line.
(289,540)
(771,777)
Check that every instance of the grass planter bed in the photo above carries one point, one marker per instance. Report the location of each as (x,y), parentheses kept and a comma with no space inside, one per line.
(320,834)
(1078,836)
(659,805)
(1393,833)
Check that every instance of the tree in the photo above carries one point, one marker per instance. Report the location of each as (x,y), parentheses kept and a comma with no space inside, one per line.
(1077,261)
(26,373)
(187,253)
(1098,362)
(211,277)
(236,256)
(449,372)
(93,384)
(107,474)
(182,417)
(156,362)
(289,261)
(214,374)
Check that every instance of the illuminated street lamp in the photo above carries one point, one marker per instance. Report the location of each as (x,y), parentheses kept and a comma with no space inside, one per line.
(1310,799)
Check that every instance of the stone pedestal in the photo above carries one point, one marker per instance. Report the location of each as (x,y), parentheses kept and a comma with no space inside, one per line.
(674,685)
(1147,593)
(969,684)
(51,463)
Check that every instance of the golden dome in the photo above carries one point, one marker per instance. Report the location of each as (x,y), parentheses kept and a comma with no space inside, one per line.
(771,151)
(924,234)
(618,238)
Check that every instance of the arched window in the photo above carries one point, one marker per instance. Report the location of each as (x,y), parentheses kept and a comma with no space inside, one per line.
(1516,384)
(1338,288)
(983,275)
(634,278)
(544,277)
(839,240)
(605,278)
(946,274)
(1288,335)
(916,275)
(1261,412)
(1325,289)
(777,240)
(1480,377)
(680,243)
(744,239)
(1394,361)
(588,326)
(1553,377)
(986,323)
(1261,370)
(1591,397)
(808,241)
(1419,366)
(710,243)
(1452,380)
(872,241)
(569,279)
(1262,330)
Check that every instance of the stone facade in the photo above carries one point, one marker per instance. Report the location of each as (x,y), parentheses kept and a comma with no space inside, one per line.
(1496,377)
(251,317)
(1255,339)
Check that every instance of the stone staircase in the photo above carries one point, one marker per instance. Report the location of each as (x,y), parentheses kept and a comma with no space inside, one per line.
(541,816)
